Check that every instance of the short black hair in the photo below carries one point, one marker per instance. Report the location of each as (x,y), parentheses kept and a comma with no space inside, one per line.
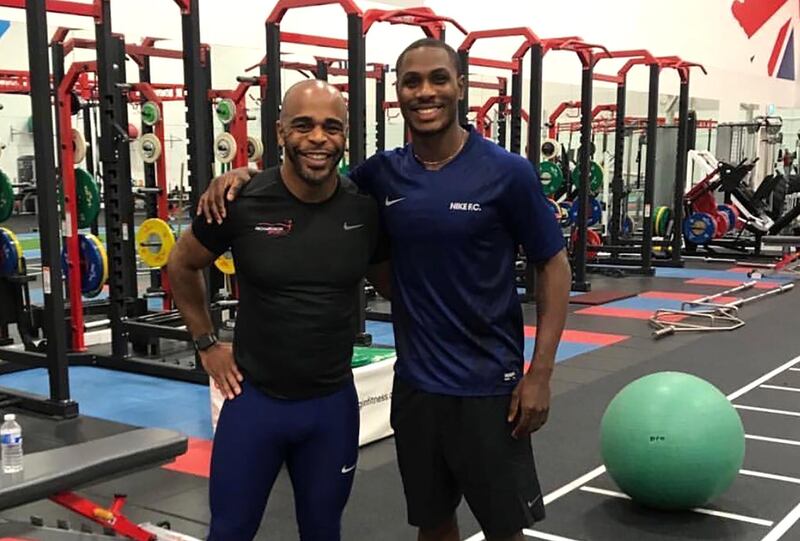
(434,43)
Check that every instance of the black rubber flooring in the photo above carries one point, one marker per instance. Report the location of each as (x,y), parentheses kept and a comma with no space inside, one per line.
(566,448)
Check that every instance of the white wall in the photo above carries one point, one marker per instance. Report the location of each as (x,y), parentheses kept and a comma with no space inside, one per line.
(704,31)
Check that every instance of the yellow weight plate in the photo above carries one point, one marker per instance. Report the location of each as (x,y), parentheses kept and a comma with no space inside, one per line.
(225,264)
(154,242)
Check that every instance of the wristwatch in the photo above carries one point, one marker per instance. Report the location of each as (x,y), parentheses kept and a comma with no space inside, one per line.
(205,341)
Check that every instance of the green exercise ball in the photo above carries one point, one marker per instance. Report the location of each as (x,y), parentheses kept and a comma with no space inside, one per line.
(672,441)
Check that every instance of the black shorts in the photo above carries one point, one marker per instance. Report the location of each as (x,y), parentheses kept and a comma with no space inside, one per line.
(451,446)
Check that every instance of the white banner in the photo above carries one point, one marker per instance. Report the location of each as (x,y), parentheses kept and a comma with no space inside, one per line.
(374,388)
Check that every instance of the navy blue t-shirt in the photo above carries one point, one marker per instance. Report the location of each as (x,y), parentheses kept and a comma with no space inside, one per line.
(454,235)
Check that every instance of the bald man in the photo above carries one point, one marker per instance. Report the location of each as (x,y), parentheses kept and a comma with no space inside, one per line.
(302,238)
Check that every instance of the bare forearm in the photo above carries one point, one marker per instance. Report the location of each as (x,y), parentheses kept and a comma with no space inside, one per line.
(189,292)
(553,280)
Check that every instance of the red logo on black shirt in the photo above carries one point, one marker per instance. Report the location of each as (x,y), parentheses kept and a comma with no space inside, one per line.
(276,229)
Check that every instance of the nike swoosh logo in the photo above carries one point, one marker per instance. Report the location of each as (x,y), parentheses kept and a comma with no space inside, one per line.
(348,227)
(390,202)
(345,469)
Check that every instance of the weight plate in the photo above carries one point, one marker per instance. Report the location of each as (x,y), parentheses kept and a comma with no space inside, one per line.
(566,215)
(154,242)
(78,147)
(93,264)
(255,148)
(593,242)
(133,131)
(225,148)
(593,218)
(656,217)
(150,148)
(98,245)
(595,177)
(663,218)
(551,177)
(10,253)
(555,208)
(226,111)
(699,228)
(151,114)
(733,215)
(721,220)
(88,197)
(550,149)
(628,227)
(6,197)
(225,263)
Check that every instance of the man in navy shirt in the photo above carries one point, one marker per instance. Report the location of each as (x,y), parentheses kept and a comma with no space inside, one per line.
(456,207)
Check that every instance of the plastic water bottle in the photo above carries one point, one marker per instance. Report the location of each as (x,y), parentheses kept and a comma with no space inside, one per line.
(11,444)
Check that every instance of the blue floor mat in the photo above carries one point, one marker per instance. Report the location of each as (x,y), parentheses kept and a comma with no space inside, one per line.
(383,335)
(688,274)
(128,398)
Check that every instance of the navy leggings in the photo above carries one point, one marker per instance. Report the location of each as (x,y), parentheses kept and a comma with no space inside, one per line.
(317,439)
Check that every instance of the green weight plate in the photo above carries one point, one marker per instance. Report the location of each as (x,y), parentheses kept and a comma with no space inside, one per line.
(6,198)
(150,113)
(551,177)
(595,177)
(226,110)
(661,220)
(88,197)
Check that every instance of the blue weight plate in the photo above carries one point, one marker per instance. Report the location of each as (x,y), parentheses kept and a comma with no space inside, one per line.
(91,266)
(9,254)
(594,217)
(699,228)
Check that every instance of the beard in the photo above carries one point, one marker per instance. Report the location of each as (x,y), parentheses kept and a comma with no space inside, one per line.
(314,177)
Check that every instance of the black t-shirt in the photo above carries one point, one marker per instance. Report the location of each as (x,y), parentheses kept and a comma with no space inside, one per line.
(299,267)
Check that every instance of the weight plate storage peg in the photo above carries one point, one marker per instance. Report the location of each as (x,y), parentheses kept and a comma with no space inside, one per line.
(593,218)
(88,197)
(699,228)
(224,264)
(595,177)
(10,253)
(551,149)
(6,197)
(150,148)
(226,111)
(93,264)
(255,149)
(551,177)
(225,148)
(150,113)
(154,242)
(78,147)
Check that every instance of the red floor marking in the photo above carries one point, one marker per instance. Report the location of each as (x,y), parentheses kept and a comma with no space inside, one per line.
(683,297)
(727,283)
(196,461)
(584,337)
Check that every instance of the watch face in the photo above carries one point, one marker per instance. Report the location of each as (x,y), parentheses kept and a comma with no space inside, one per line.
(205,342)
